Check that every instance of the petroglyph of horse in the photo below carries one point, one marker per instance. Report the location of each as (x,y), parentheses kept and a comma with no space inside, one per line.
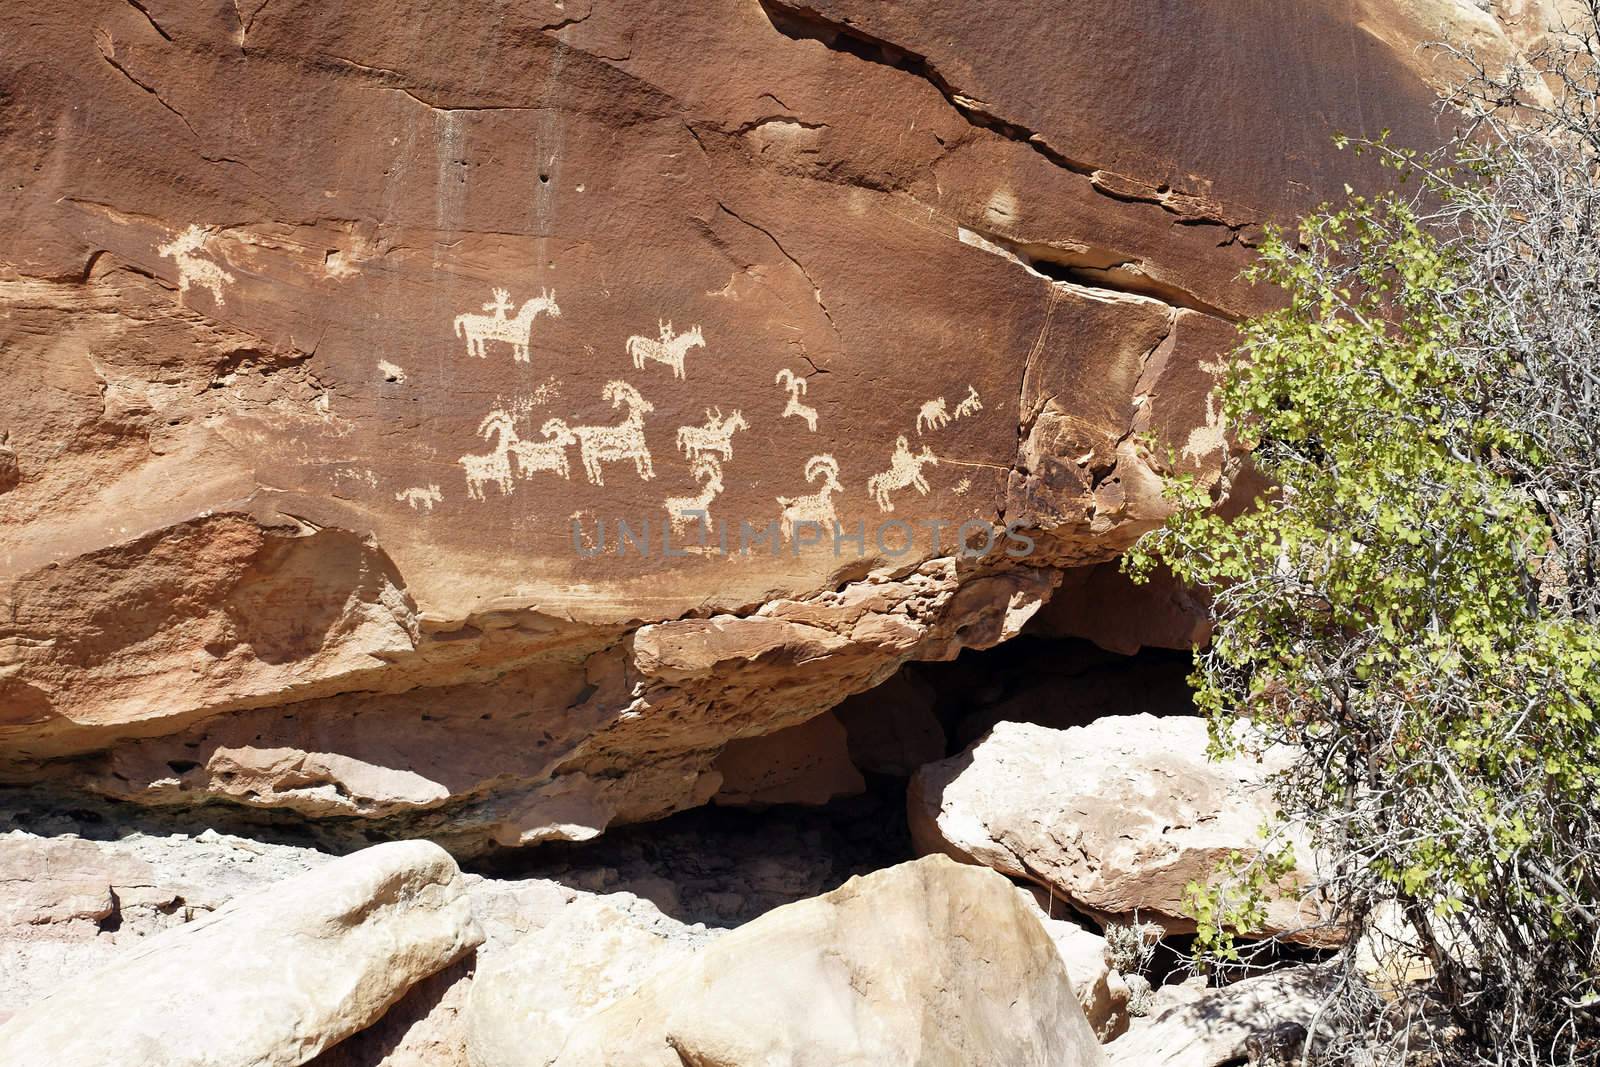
(492,466)
(970,405)
(814,507)
(478,329)
(547,455)
(419,497)
(715,436)
(192,270)
(669,348)
(683,510)
(797,389)
(932,415)
(612,444)
(905,469)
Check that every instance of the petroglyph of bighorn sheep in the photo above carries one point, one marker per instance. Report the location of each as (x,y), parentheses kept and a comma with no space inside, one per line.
(932,415)
(419,497)
(492,466)
(192,270)
(715,436)
(683,510)
(612,444)
(814,507)
(547,455)
(970,405)
(478,329)
(905,469)
(797,389)
(670,348)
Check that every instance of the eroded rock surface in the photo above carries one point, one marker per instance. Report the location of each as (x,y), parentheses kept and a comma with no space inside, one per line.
(338,341)
(270,978)
(528,997)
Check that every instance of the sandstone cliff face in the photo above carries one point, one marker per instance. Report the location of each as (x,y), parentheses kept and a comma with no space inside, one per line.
(335,336)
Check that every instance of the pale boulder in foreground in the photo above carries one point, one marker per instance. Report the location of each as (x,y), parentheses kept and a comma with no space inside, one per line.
(526,998)
(931,963)
(1116,817)
(269,980)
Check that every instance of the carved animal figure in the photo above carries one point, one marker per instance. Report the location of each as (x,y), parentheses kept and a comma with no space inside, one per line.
(814,507)
(420,497)
(933,415)
(670,348)
(612,444)
(970,405)
(715,436)
(492,466)
(683,510)
(478,329)
(192,270)
(547,455)
(905,469)
(797,388)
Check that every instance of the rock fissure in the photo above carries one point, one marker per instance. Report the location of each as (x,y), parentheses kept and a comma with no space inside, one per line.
(799,22)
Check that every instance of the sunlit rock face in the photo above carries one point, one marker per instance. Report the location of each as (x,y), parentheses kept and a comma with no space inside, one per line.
(341,340)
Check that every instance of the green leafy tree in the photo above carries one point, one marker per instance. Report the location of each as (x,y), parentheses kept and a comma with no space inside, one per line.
(1415,604)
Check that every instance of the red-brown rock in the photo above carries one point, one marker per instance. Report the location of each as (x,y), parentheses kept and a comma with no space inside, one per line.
(313,318)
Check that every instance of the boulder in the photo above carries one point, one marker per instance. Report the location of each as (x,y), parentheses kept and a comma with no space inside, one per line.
(1215,1027)
(529,996)
(271,978)
(931,963)
(1116,818)
(1100,989)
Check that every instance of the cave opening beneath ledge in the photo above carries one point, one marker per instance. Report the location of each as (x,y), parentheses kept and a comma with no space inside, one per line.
(804,809)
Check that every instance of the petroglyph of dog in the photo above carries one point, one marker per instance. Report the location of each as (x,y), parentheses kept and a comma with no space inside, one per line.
(420,497)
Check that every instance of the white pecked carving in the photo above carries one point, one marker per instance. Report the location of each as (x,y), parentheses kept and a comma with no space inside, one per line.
(797,388)
(905,469)
(516,332)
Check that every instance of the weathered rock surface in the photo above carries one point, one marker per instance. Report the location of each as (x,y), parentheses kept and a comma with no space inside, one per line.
(71,906)
(270,978)
(1099,988)
(1215,1027)
(313,317)
(892,728)
(1115,818)
(525,1001)
(826,982)
(805,764)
